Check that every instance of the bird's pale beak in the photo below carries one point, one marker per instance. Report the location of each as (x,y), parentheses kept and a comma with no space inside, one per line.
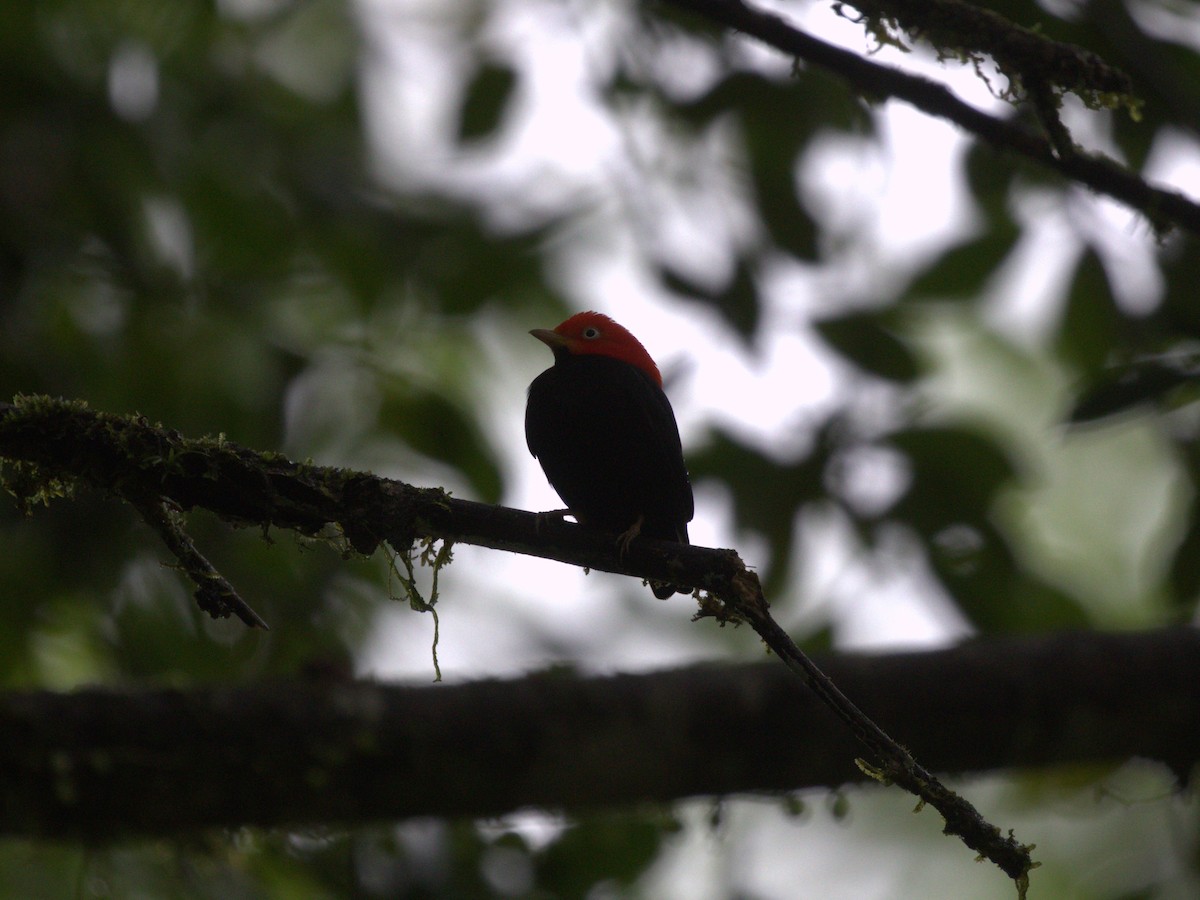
(551,339)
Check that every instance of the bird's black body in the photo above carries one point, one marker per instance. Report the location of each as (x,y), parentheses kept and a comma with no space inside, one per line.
(606,437)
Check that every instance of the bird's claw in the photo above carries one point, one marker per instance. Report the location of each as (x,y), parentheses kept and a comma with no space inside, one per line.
(626,537)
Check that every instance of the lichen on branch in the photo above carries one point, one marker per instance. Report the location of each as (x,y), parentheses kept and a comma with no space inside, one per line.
(958,30)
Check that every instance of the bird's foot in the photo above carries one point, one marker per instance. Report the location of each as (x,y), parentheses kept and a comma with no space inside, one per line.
(626,537)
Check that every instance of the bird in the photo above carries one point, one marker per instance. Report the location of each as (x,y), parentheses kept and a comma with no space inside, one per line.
(605,434)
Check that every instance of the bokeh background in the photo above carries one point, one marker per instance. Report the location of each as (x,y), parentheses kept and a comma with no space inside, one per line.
(326,226)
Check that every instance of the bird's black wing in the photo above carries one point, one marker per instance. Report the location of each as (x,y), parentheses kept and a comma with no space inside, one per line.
(607,439)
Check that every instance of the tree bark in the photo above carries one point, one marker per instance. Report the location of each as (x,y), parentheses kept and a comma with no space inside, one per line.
(103,763)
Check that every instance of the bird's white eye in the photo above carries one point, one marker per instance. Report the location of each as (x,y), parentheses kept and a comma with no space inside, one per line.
(591,333)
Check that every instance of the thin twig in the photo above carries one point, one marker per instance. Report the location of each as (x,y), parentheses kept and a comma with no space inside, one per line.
(214,594)
(898,765)
(1046,105)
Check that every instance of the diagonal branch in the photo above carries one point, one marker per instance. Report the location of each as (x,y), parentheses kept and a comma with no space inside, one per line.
(898,766)
(957,28)
(1161,206)
(214,594)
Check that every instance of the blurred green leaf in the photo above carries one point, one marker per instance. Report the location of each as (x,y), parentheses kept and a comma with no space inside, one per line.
(865,339)
(1180,262)
(794,106)
(964,271)
(737,301)
(956,473)
(785,216)
(436,427)
(990,182)
(1185,564)
(767,495)
(978,568)
(486,101)
(466,266)
(599,849)
(1092,326)
(778,120)
(1121,388)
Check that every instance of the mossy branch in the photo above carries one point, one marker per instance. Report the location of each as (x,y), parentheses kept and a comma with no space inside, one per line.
(214,594)
(1163,208)
(60,445)
(961,30)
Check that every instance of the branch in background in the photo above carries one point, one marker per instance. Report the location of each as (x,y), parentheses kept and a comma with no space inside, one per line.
(103,764)
(1161,207)
(959,29)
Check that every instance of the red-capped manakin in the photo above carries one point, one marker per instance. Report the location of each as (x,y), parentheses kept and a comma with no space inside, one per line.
(605,434)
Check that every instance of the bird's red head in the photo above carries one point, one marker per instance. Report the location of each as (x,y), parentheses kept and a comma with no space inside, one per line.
(596,333)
